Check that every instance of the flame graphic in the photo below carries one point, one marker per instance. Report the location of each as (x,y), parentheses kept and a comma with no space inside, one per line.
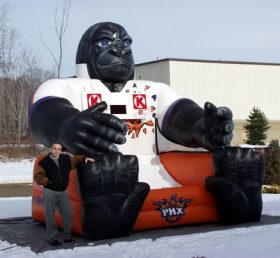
(135,126)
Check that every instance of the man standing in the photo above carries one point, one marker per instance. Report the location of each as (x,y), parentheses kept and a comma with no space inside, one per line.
(53,173)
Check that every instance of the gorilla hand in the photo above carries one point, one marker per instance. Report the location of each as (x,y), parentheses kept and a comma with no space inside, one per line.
(111,194)
(54,119)
(214,129)
(92,132)
(188,124)
(237,184)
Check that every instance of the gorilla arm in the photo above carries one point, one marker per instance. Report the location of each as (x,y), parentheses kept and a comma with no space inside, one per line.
(188,124)
(54,119)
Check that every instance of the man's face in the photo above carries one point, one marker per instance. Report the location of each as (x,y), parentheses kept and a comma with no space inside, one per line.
(111,59)
(56,150)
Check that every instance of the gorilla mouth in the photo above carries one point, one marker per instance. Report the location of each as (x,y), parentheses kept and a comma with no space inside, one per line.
(115,63)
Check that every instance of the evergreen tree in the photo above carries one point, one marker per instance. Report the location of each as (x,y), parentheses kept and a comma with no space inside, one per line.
(272,157)
(256,127)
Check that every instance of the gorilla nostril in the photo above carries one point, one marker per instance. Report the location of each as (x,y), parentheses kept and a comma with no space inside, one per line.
(126,52)
(116,51)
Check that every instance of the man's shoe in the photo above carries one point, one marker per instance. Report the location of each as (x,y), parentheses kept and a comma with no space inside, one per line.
(69,240)
(54,242)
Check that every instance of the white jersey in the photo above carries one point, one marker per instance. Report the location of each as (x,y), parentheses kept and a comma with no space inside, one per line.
(139,103)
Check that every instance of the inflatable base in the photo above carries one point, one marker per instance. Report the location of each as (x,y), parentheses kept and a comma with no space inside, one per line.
(166,207)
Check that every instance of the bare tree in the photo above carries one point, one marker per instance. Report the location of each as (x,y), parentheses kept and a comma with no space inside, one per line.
(61,17)
(21,88)
(8,45)
(19,76)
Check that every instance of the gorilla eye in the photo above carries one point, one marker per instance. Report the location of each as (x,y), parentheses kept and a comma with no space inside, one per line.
(127,44)
(104,43)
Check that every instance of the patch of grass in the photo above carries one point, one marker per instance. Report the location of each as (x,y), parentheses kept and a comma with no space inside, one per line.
(23,151)
(271,189)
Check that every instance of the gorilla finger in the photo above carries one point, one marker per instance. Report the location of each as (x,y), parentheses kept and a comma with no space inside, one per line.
(256,156)
(229,126)
(90,171)
(230,153)
(105,132)
(224,113)
(224,161)
(241,155)
(261,170)
(121,166)
(225,127)
(100,145)
(223,140)
(210,108)
(132,161)
(257,165)
(97,155)
(95,145)
(99,107)
(77,148)
(110,121)
(250,154)
(251,163)
(133,168)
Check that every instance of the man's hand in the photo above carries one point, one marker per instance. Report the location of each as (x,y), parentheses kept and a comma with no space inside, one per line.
(237,183)
(214,129)
(89,160)
(112,196)
(92,132)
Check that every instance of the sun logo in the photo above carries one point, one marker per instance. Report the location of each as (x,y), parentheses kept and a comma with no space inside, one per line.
(173,210)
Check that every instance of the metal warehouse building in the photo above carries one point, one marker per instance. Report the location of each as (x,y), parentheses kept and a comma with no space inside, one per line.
(237,85)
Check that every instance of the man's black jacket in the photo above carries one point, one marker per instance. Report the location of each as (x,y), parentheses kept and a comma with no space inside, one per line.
(54,177)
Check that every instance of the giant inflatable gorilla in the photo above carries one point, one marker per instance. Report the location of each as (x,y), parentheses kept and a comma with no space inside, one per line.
(105,114)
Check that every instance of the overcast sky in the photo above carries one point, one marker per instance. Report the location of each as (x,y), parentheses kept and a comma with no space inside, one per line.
(235,30)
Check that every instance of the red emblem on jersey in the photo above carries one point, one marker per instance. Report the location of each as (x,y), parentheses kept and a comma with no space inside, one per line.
(93,99)
(139,101)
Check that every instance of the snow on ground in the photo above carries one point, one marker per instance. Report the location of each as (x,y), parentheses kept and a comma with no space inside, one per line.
(256,241)
(15,207)
(16,172)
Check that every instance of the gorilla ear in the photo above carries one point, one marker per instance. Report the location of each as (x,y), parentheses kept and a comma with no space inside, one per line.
(83,52)
(85,47)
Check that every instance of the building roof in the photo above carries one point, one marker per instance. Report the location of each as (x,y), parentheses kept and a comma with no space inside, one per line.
(207,61)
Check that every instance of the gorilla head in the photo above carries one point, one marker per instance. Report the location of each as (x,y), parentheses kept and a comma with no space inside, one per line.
(105,49)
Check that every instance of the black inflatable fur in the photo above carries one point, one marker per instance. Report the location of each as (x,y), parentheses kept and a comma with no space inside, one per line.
(89,132)
(188,124)
(237,184)
(112,196)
